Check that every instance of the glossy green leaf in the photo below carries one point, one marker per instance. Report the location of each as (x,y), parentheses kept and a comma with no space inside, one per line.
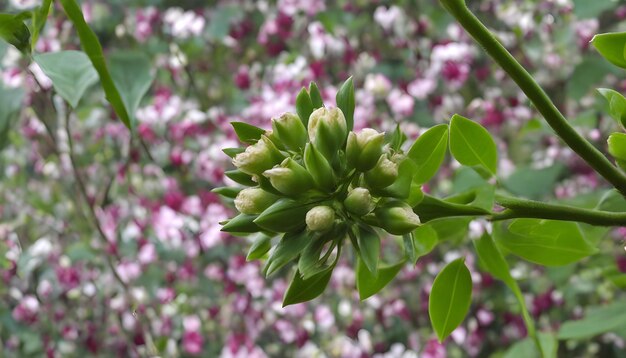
(450,298)
(428,152)
(408,242)
(304,106)
(259,248)
(368,284)
(227,191)
(316,96)
(424,240)
(91,45)
(40,16)
(617,105)
(369,246)
(472,145)
(71,73)
(14,31)
(289,247)
(241,223)
(132,75)
(617,146)
(612,46)
(301,290)
(240,177)
(345,101)
(247,133)
(544,242)
(284,215)
(312,261)
(596,321)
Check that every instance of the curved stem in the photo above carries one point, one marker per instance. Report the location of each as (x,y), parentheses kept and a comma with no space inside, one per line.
(536,94)
(522,208)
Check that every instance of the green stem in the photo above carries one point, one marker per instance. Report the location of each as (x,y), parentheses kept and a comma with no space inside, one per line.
(522,208)
(536,94)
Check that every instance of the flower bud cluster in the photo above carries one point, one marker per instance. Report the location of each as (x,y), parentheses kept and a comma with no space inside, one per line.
(315,179)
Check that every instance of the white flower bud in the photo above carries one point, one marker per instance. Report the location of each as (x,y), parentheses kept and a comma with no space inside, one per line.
(320,218)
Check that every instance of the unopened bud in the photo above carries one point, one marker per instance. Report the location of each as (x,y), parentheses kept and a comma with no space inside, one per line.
(327,129)
(258,157)
(253,201)
(290,131)
(383,174)
(319,168)
(290,178)
(320,218)
(359,201)
(364,148)
(397,218)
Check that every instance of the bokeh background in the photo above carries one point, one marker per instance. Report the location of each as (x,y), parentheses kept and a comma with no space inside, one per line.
(141,267)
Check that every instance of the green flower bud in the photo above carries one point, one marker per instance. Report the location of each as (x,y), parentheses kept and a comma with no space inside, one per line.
(290,131)
(364,148)
(320,218)
(383,174)
(327,130)
(319,168)
(359,201)
(258,157)
(253,201)
(290,178)
(397,217)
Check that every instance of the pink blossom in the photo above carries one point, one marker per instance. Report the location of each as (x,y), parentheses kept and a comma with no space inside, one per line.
(26,311)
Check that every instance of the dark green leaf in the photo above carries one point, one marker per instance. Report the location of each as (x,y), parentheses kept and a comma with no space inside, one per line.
(472,145)
(91,45)
(304,106)
(544,242)
(345,101)
(241,223)
(247,133)
(369,245)
(39,20)
(240,177)
(301,290)
(14,31)
(428,152)
(431,208)
(289,247)
(612,47)
(368,284)
(71,73)
(597,320)
(131,73)
(408,242)
(231,152)
(285,215)
(10,104)
(227,191)
(316,96)
(450,298)
(259,248)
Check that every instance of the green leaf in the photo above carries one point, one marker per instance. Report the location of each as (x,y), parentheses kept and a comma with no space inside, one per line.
(39,20)
(227,191)
(369,245)
(289,247)
(544,242)
(221,20)
(71,73)
(431,208)
(408,242)
(585,9)
(131,73)
(247,133)
(428,152)
(241,223)
(401,188)
(301,290)
(311,259)
(284,215)
(368,284)
(304,106)
(397,139)
(259,248)
(91,45)
(587,74)
(10,105)
(597,320)
(472,145)
(612,47)
(345,101)
(617,147)
(316,96)
(424,240)
(528,349)
(232,152)
(14,31)
(617,105)
(450,298)
(240,177)
(533,183)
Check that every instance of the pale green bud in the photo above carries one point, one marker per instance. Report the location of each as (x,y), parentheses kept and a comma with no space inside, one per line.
(253,201)
(397,217)
(320,218)
(327,129)
(320,169)
(364,148)
(359,201)
(383,174)
(258,157)
(290,131)
(290,178)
